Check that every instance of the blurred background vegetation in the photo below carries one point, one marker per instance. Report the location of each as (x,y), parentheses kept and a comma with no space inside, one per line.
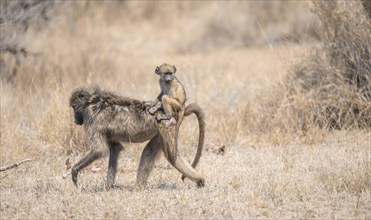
(50,47)
(155,27)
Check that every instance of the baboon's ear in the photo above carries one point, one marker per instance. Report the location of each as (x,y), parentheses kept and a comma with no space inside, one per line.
(174,69)
(157,70)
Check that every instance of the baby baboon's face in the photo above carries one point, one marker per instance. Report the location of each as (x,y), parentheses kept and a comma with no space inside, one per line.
(166,72)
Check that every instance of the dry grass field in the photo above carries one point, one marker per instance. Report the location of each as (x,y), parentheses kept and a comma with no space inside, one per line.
(286,94)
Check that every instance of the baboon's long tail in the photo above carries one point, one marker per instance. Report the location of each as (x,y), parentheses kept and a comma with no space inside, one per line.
(194,108)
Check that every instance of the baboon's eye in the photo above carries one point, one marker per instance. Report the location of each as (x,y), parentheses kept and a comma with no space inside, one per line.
(81,96)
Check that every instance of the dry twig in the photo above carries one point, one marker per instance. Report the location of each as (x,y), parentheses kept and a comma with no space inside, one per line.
(12,165)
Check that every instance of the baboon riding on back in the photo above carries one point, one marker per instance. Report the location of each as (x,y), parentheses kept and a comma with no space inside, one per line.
(110,120)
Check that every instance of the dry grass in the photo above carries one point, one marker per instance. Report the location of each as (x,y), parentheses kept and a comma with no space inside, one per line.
(327,180)
(330,87)
(230,56)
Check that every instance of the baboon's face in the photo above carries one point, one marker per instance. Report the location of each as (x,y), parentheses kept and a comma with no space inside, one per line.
(78,102)
(166,72)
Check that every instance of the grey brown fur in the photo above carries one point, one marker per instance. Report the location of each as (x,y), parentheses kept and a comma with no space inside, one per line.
(109,120)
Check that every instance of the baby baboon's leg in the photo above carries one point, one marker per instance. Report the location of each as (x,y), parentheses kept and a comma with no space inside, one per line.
(115,149)
(147,161)
(170,106)
(84,162)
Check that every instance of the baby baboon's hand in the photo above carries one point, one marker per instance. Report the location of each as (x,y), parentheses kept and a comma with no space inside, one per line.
(154,108)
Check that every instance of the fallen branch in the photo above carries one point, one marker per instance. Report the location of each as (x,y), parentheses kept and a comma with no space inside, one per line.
(10,166)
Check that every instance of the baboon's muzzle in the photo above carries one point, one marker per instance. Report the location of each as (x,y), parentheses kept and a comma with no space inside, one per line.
(168,78)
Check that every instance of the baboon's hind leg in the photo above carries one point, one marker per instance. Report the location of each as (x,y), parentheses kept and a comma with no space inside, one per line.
(115,149)
(147,161)
(175,159)
(187,170)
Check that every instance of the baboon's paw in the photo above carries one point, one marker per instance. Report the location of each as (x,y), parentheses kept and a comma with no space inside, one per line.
(201,183)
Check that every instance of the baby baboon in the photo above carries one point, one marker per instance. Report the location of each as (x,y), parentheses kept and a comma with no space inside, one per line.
(109,119)
(172,97)
(172,100)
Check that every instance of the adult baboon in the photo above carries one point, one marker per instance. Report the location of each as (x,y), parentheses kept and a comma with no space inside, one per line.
(109,119)
(172,97)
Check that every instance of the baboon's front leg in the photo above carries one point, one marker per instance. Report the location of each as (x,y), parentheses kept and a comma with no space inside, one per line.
(147,161)
(84,162)
(115,149)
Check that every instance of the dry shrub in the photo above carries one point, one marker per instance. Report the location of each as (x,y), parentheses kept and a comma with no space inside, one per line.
(331,86)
